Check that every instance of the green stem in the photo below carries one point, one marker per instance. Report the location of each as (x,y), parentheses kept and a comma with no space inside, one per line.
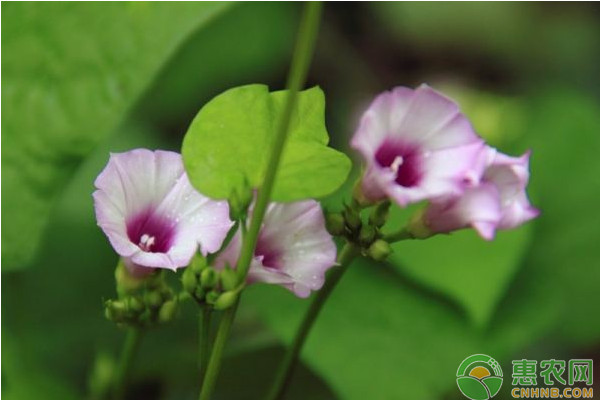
(297,76)
(132,342)
(204,339)
(399,235)
(214,363)
(286,369)
(303,51)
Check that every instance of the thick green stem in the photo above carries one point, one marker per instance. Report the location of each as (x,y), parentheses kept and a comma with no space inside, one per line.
(297,76)
(286,369)
(132,341)
(204,340)
(214,363)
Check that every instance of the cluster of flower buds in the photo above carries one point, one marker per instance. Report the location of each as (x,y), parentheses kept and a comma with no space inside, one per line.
(142,301)
(210,287)
(365,234)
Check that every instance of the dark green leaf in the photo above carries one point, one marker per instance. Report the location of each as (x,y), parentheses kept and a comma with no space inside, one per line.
(465,267)
(557,289)
(67,81)
(376,337)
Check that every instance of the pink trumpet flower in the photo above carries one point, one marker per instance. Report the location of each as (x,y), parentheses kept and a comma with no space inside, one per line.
(152,215)
(417,145)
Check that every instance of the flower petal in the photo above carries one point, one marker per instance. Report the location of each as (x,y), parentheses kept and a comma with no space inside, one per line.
(446,173)
(478,207)
(386,111)
(432,120)
(294,249)
(511,176)
(299,229)
(200,219)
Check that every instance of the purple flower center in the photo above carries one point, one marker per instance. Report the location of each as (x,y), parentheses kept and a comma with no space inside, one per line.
(151,232)
(404,159)
(271,256)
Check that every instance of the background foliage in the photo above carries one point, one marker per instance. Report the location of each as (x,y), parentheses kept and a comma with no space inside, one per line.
(80,80)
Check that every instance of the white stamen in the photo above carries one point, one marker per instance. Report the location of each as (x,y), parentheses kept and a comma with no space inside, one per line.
(398,161)
(146,242)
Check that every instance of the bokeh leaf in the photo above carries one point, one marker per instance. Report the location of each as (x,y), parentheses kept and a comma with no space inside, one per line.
(376,336)
(52,313)
(235,49)
(226,148)
(67,82)
(473,272)
(28,379)
(500,37)
(556,292)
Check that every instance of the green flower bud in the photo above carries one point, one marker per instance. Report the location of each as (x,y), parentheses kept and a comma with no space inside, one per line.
(209,278)
(417,226)
(198,264)
(380,214)
(189,281)
(145,318)
(126,283)
(239,201)
(226,300)
(135,305)
(334,223)
(199,293)
(115,310)
(184,296)
(166,293)
(358,195)
(167,311)
(379,250)
(153,299)
(352,219)
(212,296)
(109,313)
(117,306)
(155,280)
(367,235)
(228,278)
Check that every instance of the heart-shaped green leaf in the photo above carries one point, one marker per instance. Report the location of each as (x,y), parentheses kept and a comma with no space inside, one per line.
(227,146)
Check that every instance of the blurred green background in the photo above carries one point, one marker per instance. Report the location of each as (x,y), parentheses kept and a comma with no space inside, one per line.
(80,80)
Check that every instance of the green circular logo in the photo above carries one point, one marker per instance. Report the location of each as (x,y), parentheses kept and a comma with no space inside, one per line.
(479,377)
